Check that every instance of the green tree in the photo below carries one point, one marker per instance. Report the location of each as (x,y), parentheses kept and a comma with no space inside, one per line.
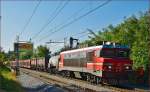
(42,51)
(26,54)
(133,31)
(2,57)
(11,55)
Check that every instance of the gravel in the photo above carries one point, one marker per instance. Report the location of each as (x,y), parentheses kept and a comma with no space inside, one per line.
(31,84)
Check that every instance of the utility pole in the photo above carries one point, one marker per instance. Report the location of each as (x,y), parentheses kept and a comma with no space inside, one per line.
(0,33)
(149,46)
(65,42)
(0,26)
(17,57)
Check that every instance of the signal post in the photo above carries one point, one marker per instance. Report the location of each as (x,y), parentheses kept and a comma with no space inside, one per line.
(19,47)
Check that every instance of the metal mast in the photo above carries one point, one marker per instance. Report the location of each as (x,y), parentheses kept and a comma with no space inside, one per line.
(149,46)
(0,27)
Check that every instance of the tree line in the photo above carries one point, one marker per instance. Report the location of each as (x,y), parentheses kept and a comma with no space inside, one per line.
(133,31)
(40,51)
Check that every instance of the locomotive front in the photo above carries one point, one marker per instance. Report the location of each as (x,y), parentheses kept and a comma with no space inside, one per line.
(116,65)
(100,64)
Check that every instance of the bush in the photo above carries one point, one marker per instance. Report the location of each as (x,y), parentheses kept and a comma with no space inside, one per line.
(8,80)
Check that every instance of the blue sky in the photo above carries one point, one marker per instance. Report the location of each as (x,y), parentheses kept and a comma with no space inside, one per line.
(16,13)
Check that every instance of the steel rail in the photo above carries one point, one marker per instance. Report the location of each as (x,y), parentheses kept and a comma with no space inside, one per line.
(64,83)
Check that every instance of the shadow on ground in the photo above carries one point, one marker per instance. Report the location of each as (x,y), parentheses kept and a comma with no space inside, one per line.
(9,85)
(43,88)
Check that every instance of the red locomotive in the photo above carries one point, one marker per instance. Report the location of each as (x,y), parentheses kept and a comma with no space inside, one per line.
(105,63)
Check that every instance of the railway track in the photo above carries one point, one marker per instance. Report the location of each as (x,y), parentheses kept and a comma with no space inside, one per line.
(74,85)
(67,84)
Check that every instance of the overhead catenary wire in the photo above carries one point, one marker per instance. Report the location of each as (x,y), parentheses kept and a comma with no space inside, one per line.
(61,40)
(70,17)
(79,33)
(78,37)
(51,15)
(30,18)
(81,36)
(76,19)
(51,19)
(85,33)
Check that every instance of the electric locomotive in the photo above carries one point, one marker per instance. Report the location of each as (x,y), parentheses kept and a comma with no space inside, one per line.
(107,63)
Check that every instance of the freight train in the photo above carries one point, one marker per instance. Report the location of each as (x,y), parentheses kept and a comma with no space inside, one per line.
(107,63)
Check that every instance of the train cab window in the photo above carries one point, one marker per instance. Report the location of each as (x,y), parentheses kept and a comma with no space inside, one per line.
(123,53)
(107,53)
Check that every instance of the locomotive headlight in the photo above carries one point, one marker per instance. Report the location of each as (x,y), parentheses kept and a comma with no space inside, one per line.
(127,67)
(109,67)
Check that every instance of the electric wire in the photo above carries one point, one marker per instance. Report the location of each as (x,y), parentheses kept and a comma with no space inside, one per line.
(76,19)
(52,19)
(30,18)
(81,36)
(84,32)
(69,18)
(79,33)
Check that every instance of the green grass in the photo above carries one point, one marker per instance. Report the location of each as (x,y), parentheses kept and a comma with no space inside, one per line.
(8,81)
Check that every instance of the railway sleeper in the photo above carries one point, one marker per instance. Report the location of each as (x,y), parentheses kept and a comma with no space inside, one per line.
(93,79)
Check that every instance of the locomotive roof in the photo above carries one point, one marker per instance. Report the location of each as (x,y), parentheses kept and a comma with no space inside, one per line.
(95,47)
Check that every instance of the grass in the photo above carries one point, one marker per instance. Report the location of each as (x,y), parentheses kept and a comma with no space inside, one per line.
(8,81)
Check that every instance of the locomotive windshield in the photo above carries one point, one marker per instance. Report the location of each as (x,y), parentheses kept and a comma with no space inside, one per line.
(107,53)
(122,53)
(111,53)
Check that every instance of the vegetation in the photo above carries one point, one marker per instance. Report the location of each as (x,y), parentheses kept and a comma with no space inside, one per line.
(8,81)
(133,32)
(3,58)
(26,54)
(11,55)
(42,51)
